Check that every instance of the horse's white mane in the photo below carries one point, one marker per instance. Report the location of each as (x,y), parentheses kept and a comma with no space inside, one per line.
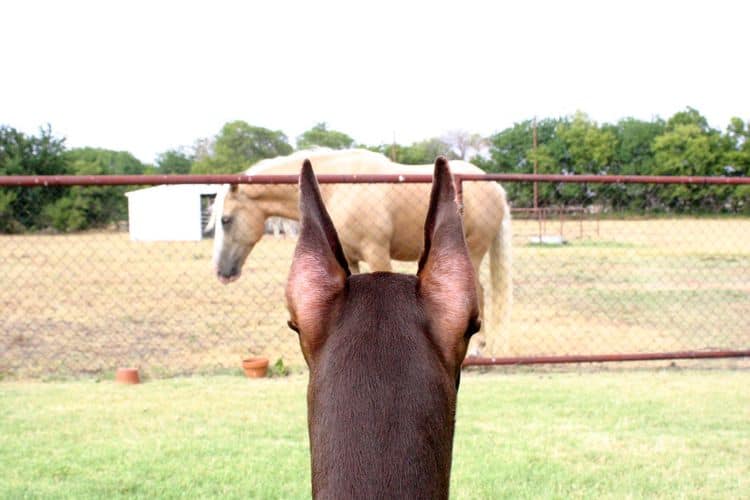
(311,154)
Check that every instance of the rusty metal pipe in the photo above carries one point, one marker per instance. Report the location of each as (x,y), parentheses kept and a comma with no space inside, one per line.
(602,358)
(607,179)
(134,180)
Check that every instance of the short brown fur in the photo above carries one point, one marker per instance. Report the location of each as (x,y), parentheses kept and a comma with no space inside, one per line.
(384,352)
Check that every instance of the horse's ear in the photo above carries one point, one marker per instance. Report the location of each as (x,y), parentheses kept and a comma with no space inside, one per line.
(319,268)
(233,188)
(447,281)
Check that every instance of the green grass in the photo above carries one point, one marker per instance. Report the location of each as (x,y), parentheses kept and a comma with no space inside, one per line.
(633,434)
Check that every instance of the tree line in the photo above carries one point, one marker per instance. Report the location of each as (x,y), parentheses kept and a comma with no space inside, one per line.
(682,145)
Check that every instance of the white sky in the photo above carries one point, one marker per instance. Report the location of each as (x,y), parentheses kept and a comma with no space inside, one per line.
(150,76)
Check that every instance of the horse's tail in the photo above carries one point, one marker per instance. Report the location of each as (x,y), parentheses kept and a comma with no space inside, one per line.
(501,260)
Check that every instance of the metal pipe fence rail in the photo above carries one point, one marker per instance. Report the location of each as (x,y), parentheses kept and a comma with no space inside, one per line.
(142,180)
(595,287)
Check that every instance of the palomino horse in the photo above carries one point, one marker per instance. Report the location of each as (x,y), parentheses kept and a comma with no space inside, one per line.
(384,352)
(376,222)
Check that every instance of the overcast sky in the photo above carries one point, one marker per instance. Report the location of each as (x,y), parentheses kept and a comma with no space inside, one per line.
(150,76)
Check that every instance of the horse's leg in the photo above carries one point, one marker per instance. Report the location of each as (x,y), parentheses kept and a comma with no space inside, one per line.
(354,266)
(378,258)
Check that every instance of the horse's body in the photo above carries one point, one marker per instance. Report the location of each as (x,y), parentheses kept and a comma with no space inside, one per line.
(384,352)
(376,222)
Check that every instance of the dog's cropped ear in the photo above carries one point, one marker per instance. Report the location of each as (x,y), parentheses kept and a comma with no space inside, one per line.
(319,267)
(447,281)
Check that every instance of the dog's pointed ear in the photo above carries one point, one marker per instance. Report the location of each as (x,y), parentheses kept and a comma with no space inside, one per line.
(447,281)
(319,267)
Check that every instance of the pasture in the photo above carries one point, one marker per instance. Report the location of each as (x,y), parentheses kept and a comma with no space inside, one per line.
(86,303)
(623,434)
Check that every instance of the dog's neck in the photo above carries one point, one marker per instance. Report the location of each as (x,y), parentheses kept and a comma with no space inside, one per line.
(381,423)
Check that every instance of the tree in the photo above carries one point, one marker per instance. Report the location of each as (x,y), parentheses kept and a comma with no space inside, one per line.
(690,116)
(737,157)
(21,208)
(174,161)
(689,147)
(424,152)
(83,207)
(589,149)
(633,156)
(105,161)
(203,149)
(240,145)
(417,153)
(320,136)
(464,144)
(737,162)
(511,150)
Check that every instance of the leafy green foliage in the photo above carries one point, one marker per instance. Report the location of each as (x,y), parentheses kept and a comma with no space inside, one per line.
(418,153)
(683,145)
(278,369)
(320,136)
(104,161)
(20,208)
(84,207)
(7,221)
(240,145)
(690,116)
(632,156)
(511,151)
(63,208)
(174,161)
(737,162)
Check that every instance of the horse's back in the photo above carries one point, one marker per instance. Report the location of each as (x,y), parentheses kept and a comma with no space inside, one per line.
(390,215)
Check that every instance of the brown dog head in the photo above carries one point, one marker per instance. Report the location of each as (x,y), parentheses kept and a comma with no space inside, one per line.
(384,351)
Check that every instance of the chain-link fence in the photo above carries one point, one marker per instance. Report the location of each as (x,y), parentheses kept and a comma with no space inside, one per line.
(585,282)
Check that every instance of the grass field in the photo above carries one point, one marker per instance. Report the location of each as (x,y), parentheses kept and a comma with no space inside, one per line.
(633,434)
(87,303)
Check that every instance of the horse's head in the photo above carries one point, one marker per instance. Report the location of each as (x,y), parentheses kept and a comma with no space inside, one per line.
(238,225)
(384,351)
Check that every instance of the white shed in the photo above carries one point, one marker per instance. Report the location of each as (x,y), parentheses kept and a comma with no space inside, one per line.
(169,212)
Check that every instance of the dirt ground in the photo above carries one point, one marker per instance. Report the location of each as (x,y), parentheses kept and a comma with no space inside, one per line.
(87,303)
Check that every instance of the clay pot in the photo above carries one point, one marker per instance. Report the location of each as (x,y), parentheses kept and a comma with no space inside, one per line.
(127,376)
(255,367)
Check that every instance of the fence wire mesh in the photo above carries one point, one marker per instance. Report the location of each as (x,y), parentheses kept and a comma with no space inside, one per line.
(584,282)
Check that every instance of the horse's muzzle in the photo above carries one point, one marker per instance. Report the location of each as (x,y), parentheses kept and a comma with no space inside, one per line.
(227,277)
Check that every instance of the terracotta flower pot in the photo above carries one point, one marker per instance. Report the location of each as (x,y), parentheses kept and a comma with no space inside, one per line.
(127,376)
(255,367)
